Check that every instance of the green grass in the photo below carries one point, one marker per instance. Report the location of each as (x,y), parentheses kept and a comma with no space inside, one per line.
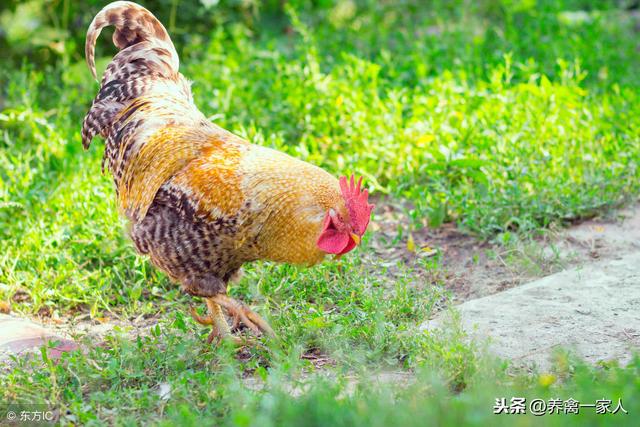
(499,116)
(121,384)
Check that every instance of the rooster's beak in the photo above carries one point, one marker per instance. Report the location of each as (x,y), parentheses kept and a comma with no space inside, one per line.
(355,238)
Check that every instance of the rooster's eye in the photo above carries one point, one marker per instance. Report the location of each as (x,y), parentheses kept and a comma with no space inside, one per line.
(332,224)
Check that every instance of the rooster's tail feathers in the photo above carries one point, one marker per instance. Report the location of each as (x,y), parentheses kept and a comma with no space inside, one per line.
(134,24)
(144,108)
(147,64)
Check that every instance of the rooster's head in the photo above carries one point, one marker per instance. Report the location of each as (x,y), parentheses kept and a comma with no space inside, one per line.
(342,231)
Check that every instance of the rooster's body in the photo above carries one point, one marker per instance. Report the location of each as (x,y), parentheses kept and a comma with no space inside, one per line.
(202,201)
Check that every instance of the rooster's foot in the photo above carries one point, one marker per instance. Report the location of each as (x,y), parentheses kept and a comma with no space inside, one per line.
(242,313)
(220,327)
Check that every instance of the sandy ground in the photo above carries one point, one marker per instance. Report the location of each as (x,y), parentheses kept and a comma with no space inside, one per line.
(591,309)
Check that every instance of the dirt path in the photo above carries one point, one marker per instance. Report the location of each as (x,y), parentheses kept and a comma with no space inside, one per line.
(471,269)
(591,309)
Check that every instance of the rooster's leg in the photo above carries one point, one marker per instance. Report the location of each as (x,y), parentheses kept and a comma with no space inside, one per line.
(242,313)
(219,325)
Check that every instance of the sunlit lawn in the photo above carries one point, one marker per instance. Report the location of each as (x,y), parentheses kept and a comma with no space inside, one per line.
(497,121)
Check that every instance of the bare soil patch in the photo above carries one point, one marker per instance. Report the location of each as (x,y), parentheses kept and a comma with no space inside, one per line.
(470,268)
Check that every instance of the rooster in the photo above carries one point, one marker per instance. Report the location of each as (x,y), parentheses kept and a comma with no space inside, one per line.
(201,201)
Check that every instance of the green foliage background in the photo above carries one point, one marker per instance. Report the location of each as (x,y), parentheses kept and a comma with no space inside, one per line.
(501,116)
(497,115)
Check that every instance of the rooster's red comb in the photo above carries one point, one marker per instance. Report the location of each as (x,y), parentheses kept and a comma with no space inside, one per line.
(357,202)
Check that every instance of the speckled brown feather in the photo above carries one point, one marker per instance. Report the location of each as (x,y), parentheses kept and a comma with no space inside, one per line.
(134,24)
(201,200)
